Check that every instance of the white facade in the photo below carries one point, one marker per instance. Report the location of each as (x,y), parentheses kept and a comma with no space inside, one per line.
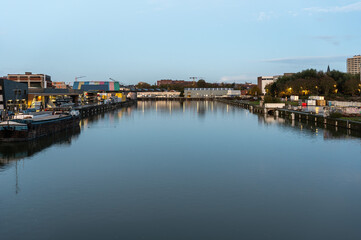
(263,81)
(316,97)
(234,93)
(294,98)
(157,94)
(205,92)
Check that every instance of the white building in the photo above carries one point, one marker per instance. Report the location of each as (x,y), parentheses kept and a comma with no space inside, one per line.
(263,81)
(158,94)
(205,92)
(234,93)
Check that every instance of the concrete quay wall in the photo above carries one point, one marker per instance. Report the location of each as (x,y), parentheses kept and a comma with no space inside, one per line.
(296,115)
(90,110)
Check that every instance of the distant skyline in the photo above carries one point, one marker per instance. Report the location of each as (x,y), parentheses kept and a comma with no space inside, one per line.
(149,40)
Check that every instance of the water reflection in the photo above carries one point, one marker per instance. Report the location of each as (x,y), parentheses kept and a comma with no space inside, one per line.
(185,170)
(10,152)
(112,117)
(16,151)
(201,108)
(309,127)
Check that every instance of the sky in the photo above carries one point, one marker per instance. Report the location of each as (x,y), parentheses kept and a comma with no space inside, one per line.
(149,40)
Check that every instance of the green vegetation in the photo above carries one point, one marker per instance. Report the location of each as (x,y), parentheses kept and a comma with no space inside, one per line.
(313,82)
(357,119)
(255,91)
(254,103)
(270,99)
(292,103)
(201,83)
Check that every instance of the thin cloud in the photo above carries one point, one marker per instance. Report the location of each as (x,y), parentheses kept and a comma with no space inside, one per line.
(330,39)
(337,9)
(303,60)
(265,16)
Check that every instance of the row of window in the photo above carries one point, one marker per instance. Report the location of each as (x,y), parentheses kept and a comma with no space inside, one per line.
(213,89)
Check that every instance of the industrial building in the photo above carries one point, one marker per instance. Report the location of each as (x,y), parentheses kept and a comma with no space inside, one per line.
(173,94)
(60,85)
(96,91)
(13,95)
(97,86)
(205,92)
(32,80)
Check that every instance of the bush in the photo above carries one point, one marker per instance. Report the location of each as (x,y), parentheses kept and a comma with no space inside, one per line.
(270,99)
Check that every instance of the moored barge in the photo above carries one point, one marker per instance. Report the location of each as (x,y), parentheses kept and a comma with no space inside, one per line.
(28,127)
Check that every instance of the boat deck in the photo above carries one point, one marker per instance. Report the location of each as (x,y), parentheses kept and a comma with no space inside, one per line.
(48,117)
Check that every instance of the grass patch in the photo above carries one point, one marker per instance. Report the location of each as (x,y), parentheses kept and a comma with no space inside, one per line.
(254,103)
(293,103)
(356,119)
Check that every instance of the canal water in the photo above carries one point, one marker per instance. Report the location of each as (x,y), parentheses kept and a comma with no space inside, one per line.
(193,170)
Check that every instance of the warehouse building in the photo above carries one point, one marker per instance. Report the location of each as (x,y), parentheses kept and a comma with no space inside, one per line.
(205,92)
(13,95)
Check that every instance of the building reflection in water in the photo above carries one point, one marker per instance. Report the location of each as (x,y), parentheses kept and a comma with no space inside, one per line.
(10,152)
(15,152)
(200,108)
(113,117)
(308,127)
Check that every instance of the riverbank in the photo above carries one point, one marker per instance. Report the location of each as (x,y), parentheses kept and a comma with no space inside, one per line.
(90,110)
(352,126)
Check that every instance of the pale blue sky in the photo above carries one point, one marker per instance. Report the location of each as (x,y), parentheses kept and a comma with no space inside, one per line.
(148,40)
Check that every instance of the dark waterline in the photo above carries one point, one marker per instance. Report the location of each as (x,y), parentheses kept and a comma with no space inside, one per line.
(193,170)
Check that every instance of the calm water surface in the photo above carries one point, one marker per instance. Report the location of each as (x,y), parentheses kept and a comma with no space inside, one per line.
(168,170)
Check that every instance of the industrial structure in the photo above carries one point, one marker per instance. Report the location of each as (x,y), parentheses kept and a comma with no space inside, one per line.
(97,85)
(32,80)
(13,95)
(205,92)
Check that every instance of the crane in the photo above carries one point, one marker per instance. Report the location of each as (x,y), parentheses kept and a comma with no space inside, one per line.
(76,78)
(116,81)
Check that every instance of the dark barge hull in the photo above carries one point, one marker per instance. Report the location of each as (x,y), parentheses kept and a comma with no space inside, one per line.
(36,129)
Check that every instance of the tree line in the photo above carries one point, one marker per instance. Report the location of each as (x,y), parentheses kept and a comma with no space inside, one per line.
(201,83)
(313,82)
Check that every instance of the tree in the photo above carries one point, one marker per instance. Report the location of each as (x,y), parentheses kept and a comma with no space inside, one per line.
(327,85)
(201,83)
(255,91)
(351,87)
(143,85)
